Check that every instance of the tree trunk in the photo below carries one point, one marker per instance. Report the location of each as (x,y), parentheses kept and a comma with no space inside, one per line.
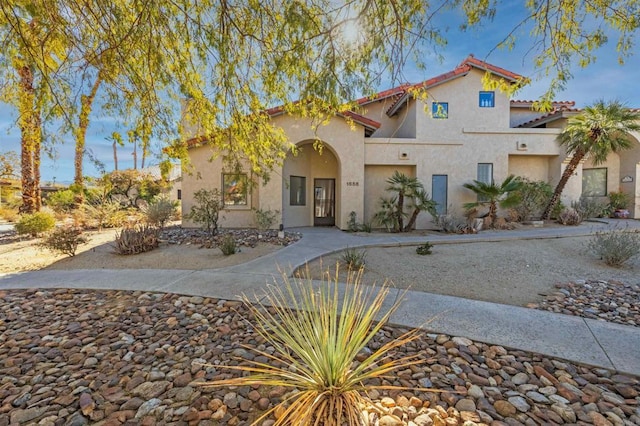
(30,128)
(493,213)
(115,156)
(568,172)
(400,211)
(412,220)
(81,135)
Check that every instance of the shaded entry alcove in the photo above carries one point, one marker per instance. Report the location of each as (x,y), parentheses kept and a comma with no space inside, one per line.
(310,188)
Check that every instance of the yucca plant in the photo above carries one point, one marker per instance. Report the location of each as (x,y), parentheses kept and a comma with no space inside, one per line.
(317,332)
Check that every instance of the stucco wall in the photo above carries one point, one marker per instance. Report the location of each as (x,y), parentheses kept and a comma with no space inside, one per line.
(532,167)
(375,187)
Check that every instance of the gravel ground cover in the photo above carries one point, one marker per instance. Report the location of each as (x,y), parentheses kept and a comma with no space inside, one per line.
(76,357)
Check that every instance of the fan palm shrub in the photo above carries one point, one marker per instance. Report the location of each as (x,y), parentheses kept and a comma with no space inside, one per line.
(317,332)
(596,132)
(490,194)
(404,186)
(421,203)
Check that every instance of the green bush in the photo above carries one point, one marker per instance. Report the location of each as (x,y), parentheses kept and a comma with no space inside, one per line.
(9,214)
(589,207)
(206,211)
(106,214)
(534,197)
(352,223)
(615,246)
(138,239)
(160,211)
(265,219)
(424,249)
(62,201)
(619,200)
(319,332)
(35,223)
(570,217)
(65,240)
(354,259)
(228,245)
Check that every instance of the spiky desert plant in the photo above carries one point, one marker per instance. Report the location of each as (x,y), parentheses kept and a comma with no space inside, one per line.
(317,332)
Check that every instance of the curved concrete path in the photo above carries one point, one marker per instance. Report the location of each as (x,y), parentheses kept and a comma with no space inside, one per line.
(598,343)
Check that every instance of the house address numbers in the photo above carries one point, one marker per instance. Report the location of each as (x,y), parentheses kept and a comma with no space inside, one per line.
(353,183)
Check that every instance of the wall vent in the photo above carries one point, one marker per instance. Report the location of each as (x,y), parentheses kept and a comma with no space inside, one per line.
(521,146)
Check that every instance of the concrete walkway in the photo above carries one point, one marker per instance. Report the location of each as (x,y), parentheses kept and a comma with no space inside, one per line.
(587,341)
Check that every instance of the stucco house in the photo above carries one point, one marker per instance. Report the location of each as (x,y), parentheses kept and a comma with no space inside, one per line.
(459,132)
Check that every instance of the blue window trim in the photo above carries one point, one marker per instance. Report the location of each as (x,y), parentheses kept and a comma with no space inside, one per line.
(487,99)
(440,110)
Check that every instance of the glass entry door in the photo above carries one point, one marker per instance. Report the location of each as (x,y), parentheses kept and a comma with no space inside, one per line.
(324,204)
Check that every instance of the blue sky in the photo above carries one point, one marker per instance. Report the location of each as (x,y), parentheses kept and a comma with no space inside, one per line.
(605,79)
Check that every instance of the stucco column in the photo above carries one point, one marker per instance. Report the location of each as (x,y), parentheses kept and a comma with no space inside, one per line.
(573,189)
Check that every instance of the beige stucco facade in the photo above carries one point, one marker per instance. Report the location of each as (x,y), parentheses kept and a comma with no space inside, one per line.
(508,135)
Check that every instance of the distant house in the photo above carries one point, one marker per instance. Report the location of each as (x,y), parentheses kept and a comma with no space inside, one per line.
(174,180)
(460,132)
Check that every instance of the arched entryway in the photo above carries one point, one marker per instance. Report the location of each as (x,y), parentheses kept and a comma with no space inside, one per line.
(310,186)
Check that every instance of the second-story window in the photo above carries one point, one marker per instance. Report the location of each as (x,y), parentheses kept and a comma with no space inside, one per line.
(440,109)
(487,99)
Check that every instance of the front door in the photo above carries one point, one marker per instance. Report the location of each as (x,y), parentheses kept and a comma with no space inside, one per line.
(324,204)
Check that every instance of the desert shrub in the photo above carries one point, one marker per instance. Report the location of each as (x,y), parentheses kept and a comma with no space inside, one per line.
(228,245)
(365,227)
(319,333)
(452,223)
(137,239)
(619,200)
(615,246)
(387,216)
(62,201)
(206,211)
(35,223)
(265,219)
(9,214)
(353,258)
(570,217)
(589,207)
(424,249)
(534,197)
(105,214)
(65,240)
(159,211)
(352,223)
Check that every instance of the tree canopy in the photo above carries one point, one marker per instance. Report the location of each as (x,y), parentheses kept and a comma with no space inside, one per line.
(221,64)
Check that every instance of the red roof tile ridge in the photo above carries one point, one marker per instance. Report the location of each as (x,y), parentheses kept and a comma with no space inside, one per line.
(477,63)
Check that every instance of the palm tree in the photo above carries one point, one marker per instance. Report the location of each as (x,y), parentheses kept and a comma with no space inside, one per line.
(421,203)
(490,194)
(596,132)
(405,186)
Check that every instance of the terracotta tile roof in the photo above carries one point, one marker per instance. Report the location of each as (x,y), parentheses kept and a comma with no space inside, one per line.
(369,125)
(389,93)
(432,82)
(551,116)
(461,70)
(477,63)
(555,104)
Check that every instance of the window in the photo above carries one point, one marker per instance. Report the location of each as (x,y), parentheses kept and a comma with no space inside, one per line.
(440,110)
(487,100)
(179,195)
(485,173)
(234,189)
(439,192)
(594,182)
(297,191)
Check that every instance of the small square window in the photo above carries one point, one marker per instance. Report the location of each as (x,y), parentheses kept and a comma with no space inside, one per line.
(440,110)
(487,99)
(234,189)
(297,191)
